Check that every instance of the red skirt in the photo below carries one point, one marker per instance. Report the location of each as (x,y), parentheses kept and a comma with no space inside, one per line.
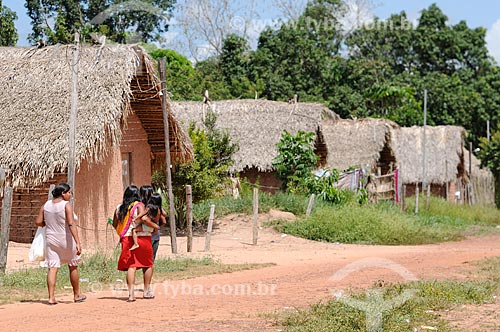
(138,258)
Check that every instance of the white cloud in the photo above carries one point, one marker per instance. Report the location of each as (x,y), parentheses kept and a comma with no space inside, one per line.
(493,40)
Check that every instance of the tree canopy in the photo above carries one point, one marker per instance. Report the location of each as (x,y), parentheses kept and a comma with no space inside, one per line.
(121,21)
(8,31)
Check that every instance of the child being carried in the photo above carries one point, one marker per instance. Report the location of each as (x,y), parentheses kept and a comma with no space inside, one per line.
(146,221)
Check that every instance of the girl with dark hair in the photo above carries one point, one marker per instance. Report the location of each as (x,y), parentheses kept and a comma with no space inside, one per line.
(162,220)
(63,244)
(142,257)
(145,192)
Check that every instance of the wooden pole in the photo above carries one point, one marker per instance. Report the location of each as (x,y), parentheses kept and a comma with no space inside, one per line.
(416,198)
(403,197)
(255,215)
(470,174)
(209,227)
(427,201)
(424,141)
(73,118)
(51,188)
(189,218)
(310,205)
(163,75)
(488,129)
(5,224)
(447,190)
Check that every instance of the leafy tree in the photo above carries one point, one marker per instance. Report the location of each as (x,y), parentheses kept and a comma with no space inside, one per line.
(207,173)
(8,31)
(234,64)
(296,158)
(212,78)
(301,57)
(183,82)
(118,19)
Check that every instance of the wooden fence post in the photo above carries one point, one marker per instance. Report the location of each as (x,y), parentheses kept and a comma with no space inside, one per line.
(163,76)
(427,201)
(189,218)
(5,224)
(255,215)
(310,205)
(416,198)
(209,227)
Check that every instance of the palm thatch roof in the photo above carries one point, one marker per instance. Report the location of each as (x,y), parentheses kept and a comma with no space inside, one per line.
(35,99)
(444,153)
(356,142)
(483,181)
(255,125)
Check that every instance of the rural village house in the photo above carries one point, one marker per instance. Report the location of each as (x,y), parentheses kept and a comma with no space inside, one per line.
(119,131)
(256,126)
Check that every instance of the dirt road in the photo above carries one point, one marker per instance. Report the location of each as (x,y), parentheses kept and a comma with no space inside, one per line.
(305,272)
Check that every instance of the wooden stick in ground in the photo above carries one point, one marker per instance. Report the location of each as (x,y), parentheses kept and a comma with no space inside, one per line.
(5,224)
(310,205)
(209,227)
(189,218)
(255,215)
(73,119)
(427,201)
(163,74)
(416,198)
(51,188)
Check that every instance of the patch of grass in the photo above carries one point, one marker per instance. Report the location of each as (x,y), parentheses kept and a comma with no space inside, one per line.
(373,224)
(438,207)
(421,307)
(295,204)
(100,268)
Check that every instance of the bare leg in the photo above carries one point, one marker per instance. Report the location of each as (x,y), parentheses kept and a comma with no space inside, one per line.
(75,282)
(148,275)
(136,241)
(51,283)
(131,282)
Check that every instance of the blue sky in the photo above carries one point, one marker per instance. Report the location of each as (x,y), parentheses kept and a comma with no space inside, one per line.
(485,13)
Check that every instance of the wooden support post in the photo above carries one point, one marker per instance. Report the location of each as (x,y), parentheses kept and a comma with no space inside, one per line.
(5,224)
(428,199)
(209,227)
(51,188)
(255,215)
(73,119)
(189,218)
(163,75)
(416,198)
(310,205)
(447,190)
(403,197)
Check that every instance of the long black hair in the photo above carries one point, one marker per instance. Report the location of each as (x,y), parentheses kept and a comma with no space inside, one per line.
(60,189)
(130,195)
(146,192)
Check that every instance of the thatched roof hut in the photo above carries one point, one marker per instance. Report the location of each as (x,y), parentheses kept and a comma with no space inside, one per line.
(483,181)
(35,107)
(444,153)
(256,125)
(119,130)
(357,142)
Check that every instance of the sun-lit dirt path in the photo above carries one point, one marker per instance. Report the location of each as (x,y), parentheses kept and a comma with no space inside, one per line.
(305,272)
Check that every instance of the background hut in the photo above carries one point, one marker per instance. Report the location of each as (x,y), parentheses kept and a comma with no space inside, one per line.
(444,150)
(119,129)
(482,181)
(256,126)
(361,142)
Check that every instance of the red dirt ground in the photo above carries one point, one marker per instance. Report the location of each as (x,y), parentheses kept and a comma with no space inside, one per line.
(305,272)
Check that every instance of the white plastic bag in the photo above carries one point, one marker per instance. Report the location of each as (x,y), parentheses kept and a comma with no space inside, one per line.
(37,249)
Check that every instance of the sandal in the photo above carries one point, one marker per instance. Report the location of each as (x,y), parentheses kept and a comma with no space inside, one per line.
(148,295)
(81,299)
(130,300)
(51,303)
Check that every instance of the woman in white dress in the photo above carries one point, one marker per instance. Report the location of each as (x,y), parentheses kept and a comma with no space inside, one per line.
(63,244)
